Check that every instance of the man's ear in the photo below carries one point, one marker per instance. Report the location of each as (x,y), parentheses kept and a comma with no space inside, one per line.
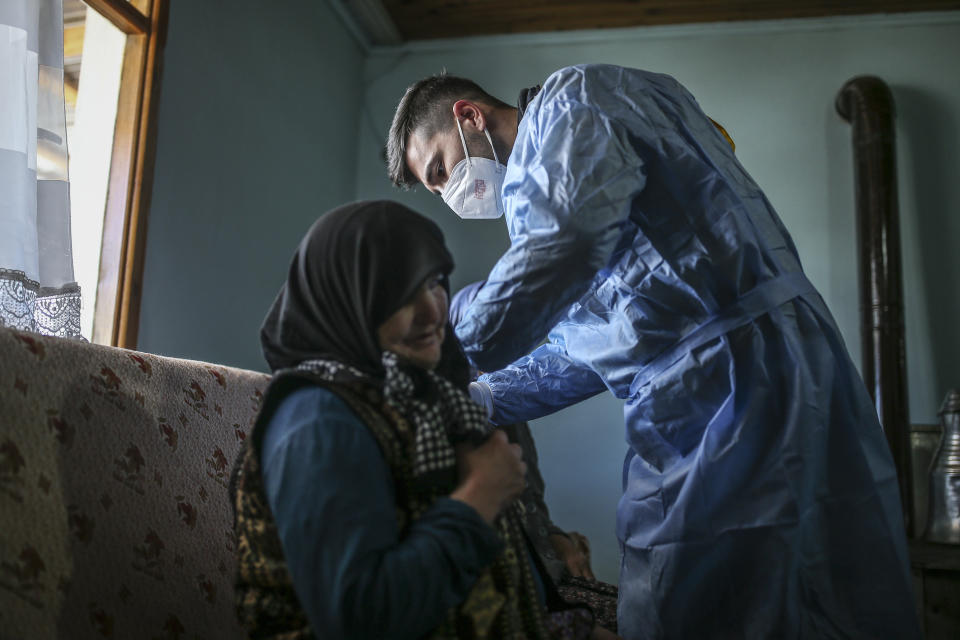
(469,114)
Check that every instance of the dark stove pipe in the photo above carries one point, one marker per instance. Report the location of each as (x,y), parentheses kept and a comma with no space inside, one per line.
(867,104)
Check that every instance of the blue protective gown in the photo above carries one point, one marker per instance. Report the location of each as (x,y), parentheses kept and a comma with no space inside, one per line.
(759,495)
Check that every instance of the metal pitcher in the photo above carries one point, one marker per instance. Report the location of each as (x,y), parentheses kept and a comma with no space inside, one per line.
(943,514)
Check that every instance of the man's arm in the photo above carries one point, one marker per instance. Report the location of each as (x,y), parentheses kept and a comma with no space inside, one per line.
(570,183)
(539,384)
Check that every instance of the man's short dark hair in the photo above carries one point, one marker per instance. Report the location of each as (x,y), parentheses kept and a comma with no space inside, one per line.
(427,107)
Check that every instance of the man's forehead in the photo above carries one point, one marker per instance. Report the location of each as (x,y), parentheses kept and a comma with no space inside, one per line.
(419,144)
(420,149)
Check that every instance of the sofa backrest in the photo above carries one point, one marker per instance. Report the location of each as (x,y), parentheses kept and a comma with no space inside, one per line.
(114,514)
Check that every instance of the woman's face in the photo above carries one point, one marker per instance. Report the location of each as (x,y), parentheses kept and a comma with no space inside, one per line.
(416,330)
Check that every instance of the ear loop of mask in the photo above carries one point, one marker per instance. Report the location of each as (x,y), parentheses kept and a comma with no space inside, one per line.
(492,148)
(463,141)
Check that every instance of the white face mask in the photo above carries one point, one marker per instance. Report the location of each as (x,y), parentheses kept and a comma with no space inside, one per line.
(473,188)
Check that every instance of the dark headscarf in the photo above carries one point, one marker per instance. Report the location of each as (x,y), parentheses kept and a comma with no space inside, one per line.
(356,266)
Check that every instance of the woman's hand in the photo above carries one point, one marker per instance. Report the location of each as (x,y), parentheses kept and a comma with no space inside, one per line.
(599,633)
(491,475)
(574,550)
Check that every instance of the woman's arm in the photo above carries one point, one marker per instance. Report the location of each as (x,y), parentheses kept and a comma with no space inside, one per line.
(333,500)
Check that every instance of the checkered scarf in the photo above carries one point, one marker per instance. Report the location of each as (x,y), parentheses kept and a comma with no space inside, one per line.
(441,414)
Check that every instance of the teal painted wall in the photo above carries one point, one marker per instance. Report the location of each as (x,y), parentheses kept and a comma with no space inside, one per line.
(256,138)
(773,86)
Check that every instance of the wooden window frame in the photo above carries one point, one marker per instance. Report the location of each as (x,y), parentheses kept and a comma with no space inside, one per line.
(119,284)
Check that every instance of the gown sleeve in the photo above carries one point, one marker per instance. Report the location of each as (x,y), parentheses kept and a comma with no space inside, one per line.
(568,190)
(539,384)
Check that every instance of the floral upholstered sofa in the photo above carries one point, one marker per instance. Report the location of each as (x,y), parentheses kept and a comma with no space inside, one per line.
(114,515)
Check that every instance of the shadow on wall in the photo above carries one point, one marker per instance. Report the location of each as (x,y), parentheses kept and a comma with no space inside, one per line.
(929,133)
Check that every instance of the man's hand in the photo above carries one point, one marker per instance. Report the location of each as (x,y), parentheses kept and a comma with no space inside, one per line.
(491,475)
(574,550)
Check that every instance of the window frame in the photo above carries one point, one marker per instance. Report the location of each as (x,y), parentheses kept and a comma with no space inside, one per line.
(119,284)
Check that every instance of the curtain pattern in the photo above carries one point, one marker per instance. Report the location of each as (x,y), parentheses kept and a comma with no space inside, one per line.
(37,288)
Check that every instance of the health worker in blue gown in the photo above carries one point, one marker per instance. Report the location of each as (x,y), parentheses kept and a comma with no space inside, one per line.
(760,498)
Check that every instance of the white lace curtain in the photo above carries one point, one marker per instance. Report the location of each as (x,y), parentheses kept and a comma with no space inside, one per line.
(37,287)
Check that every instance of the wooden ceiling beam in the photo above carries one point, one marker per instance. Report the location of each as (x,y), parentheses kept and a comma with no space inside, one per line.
(427,19)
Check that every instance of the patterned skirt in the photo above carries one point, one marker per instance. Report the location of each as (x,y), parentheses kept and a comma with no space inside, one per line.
(601,597)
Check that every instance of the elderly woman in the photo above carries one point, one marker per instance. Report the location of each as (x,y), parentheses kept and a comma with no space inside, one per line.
(371,499)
